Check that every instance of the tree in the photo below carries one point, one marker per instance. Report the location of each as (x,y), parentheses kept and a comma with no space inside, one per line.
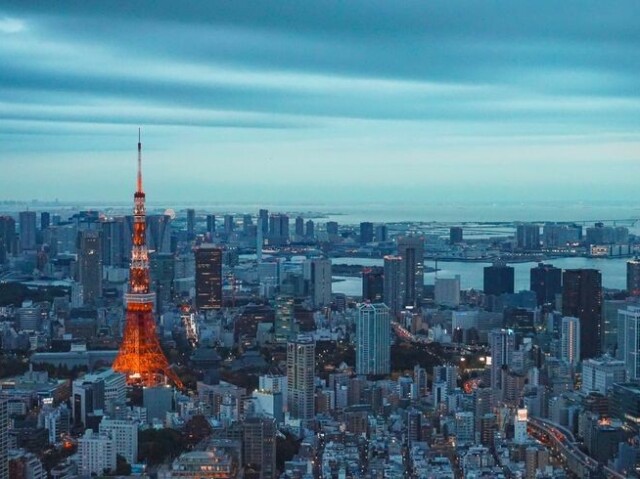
(123,468)
(157,445)
(286,449)
(197,429)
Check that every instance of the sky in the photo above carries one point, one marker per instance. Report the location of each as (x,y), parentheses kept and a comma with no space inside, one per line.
(342,102)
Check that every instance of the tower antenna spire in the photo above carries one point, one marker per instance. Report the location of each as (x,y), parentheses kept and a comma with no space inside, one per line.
(139,190)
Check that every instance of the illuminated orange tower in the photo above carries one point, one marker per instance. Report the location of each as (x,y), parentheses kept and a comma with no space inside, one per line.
(140,356)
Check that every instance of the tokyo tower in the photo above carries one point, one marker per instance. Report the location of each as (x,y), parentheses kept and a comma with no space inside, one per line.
(140,356)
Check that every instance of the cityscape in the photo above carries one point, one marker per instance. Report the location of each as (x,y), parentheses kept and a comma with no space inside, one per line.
(291,240)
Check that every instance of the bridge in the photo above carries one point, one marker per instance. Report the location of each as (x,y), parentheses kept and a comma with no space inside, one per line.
(561,440)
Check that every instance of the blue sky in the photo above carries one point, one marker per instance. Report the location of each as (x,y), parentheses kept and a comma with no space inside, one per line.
(336,101)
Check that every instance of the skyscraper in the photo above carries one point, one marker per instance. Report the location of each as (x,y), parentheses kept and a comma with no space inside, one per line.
(503,344)
(546,282)
(309,229)
(317,273)
(125,436)
(7,237)
(332,229)
(498,279)
(629,341)
(633,277)
(382,233)
(278,229)
(455,235)
(366,232)
(570,340)
(27,230)
(373,339)
(191,223)
(373,284)
(301,353)
(299,227)
(582,298)
(393,291)
(229,225)
(45,220)
(528,236)
(163,270)
(263,216)
(259,446)
(411,250)
(90,265)
(284,320)
(211,226)
(159,233)
(113,242)
(208,277)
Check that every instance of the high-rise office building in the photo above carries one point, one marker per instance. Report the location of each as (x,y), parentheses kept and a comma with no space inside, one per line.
(278,229)
(7,237)
(570,340)
(125,436)
(45,220)
(208,277)
(373,339)
(159,233)
(411,250)
(27,230)
(228,224)
(317,273)
(503,344)
(373,284)
(332,229)
(393,291)
(301,353)
(284,325)
(601,374)
(446,291)
(247,224)
(528,236)
(87,397)
(191,223)
(520,420)
(114,252)
(633,277)
(465,427)
(90,265)
(259,446)
(536,460)
(211,226)
(366,232)
(582,298)
(629,340)
(498,279)
(96,453)
(546,282)
(455,235)
(163,272)
(263,217)
(309,230)
(560,235)
(299,227)
(447,374)
(382,233)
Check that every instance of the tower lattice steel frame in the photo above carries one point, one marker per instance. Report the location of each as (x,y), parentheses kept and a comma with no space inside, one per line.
(140,356)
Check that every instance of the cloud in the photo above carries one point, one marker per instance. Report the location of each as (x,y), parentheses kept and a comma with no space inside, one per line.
(10,25)
(367,81)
